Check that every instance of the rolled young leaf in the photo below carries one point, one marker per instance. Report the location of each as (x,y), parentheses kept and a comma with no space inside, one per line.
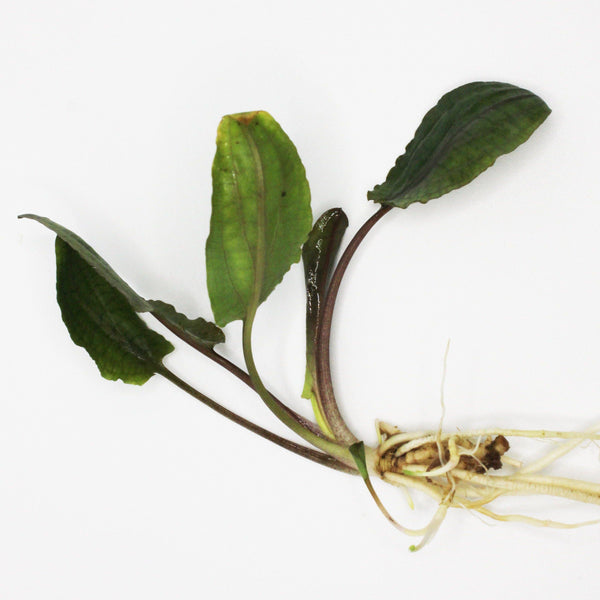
(468,129)
(318,256)
(197,331)
(260,213)
(100,318)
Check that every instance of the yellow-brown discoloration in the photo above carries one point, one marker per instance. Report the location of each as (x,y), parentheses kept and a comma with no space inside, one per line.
(246,118)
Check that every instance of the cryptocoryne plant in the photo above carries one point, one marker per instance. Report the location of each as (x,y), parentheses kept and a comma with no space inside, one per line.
(261,224)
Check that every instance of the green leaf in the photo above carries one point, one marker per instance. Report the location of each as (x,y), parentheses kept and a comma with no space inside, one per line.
(318,256)
(260,213)
(198,331)
(100,318)
(357,450)
(460,137)
(88,254)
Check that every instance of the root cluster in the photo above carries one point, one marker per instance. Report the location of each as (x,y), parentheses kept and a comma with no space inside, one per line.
(456,470)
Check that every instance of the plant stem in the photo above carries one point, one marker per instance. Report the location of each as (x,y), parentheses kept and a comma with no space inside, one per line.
(282,412)
(309,453)
(232,368)
(323,364)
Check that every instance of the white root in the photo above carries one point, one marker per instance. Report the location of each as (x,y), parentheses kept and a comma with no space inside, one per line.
(511,462)
(433,527)
(516,486)
(534,521)
(405,481)
(584,486)
(556,453)
(454,459)
(408,497)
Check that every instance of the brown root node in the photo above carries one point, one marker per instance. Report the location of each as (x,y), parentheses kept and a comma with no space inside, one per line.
(477,458)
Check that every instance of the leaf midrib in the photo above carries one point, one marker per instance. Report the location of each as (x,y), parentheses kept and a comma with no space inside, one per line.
(442,149)
(112,328)
(261,226)
(441,112)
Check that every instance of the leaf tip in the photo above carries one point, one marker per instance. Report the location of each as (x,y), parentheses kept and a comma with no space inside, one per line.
(245,118)
(338,214)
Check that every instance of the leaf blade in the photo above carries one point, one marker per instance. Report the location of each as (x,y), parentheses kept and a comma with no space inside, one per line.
(260,213)
(460,137)
(92,258)
(101,319)
(199,331)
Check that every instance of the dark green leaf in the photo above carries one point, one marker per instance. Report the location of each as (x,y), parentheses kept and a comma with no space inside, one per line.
(100,318)
(260,213)
(358,454)
(318,255)
(460,137)
(88,254)
(201,332)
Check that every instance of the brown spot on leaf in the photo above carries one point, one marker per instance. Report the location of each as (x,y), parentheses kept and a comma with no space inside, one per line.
(245,118)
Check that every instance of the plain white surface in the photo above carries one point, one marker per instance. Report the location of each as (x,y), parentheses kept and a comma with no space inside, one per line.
(108,116)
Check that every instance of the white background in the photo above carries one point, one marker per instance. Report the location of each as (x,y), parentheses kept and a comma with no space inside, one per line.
(108,112)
